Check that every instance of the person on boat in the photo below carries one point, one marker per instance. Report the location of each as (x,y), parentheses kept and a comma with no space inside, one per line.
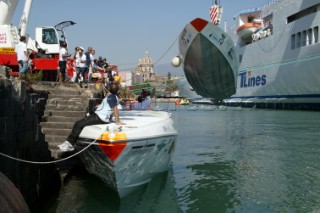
(103,115)
(144,93)
(142,96)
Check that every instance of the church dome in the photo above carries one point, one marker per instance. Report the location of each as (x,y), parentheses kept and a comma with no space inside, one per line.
(146,60)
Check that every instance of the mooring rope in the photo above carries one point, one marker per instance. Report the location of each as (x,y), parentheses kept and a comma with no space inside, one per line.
(49,162)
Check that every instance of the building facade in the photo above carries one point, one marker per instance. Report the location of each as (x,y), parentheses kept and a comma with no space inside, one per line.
(144,71)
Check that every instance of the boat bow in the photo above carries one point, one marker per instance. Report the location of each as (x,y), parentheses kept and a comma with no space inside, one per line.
(209,59)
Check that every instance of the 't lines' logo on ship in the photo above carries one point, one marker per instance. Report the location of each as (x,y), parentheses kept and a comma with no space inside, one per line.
(246,80)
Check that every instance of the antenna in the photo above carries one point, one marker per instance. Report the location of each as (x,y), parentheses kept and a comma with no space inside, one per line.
(216,2)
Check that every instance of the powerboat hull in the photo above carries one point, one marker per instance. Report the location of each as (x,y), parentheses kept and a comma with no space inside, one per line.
(125,164)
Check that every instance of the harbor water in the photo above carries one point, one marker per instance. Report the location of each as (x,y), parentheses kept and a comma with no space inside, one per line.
(226,160)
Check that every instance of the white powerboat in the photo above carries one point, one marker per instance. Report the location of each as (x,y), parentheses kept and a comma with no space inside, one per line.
(128,156)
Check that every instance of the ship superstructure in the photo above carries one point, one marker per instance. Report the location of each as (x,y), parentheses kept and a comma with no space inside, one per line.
(279,61)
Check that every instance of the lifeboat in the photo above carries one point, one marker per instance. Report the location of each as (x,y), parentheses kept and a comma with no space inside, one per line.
(247,29)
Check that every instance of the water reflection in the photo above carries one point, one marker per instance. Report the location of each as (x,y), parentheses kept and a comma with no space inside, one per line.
(224,161)
(86,193)
(248,161)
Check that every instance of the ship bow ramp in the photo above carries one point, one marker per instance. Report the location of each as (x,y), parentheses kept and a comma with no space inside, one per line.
(209,59)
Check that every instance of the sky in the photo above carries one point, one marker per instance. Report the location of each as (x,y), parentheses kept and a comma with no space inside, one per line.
(123,30)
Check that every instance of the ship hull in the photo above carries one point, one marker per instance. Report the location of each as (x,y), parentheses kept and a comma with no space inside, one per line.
(291,84)
(209,60)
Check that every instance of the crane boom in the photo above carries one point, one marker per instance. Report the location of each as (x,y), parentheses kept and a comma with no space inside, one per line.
(7,8)
(25,17)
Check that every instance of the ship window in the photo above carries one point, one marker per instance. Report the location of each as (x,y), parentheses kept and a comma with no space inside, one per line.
(304,38)
(293,41)
(302,13)
(316,34)
(298,44)
(309,37)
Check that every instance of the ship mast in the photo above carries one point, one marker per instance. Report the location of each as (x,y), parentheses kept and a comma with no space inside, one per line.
(216,2)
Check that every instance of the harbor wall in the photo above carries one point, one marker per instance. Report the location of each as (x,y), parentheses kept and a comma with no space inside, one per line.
(21,138)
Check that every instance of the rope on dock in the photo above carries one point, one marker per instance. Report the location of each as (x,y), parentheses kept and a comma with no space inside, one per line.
(49,162)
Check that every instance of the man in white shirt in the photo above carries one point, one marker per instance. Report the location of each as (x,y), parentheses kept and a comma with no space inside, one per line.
(63,56)
(22,55)
(80,65)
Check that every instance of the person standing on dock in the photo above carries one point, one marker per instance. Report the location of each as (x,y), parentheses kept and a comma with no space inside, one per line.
(22,55)
(91,68)
(103,115)
(63,56)
(76,50)
(88,63)
(80,65)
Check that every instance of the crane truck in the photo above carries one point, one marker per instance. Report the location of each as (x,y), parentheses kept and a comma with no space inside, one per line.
(43,49)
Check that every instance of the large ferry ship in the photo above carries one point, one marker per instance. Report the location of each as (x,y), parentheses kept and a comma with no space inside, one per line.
(277,50)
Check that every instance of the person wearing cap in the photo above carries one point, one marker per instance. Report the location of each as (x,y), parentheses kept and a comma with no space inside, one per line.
(100,62)
(80,65)
(63,56)
(96,67)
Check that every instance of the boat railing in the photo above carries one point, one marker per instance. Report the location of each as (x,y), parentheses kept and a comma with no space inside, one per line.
(266,9)
(246,11)
(269,7)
